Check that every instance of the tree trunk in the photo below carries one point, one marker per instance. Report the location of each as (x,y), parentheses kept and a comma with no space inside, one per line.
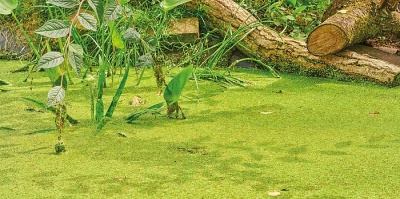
(291,55)
(351,22)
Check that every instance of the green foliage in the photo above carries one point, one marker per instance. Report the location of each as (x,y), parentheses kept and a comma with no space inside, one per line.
(50,108)
(75,57)
(171,4)
(50,60)
(88,21)
(54,29)
(55,96)
(174,90)
(64,3)
(6,6)
(296,18)
(175,86)
(154,110)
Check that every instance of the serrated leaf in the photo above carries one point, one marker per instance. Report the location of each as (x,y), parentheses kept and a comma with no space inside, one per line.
(176,85)
(6,6)
(55,96)
(88,21)
(75,57)
(54,28)
(112,12)
(50,60)
(171,4)
(131,34)
(64,3)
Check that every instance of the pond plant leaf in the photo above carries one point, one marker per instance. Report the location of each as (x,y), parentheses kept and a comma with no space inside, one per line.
(55,96)
(7,6)
(54,28)
(88,21)
(50,60)
(64,3)
(174,90)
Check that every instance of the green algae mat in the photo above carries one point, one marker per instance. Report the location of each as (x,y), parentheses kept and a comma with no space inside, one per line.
(294,137)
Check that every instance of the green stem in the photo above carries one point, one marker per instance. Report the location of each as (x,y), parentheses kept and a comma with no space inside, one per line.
(115,99)
(26,35)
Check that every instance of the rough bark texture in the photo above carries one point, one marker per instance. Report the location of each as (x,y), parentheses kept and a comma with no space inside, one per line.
(291,55)
(350,22)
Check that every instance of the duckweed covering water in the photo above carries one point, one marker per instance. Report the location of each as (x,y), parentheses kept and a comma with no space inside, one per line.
(303,137)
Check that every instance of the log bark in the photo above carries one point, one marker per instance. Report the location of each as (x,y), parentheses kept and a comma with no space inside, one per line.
(351,22)
(288,54)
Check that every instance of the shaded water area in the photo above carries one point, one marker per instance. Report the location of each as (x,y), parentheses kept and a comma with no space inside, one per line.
(299,136)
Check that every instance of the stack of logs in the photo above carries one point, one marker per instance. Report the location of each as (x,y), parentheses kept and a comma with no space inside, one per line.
(346,22)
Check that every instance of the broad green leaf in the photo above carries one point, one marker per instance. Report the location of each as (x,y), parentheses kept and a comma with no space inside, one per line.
(6,6)
(75,57)
(116,37)
(64,3)
(175,86)
(131,34)
(50,60)
(171,4)
(88,21)
(55,96)
(54,28)
(112,12)
(98,7)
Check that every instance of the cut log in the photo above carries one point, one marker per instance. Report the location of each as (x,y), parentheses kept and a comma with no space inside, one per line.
(288,54)
(351,22)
